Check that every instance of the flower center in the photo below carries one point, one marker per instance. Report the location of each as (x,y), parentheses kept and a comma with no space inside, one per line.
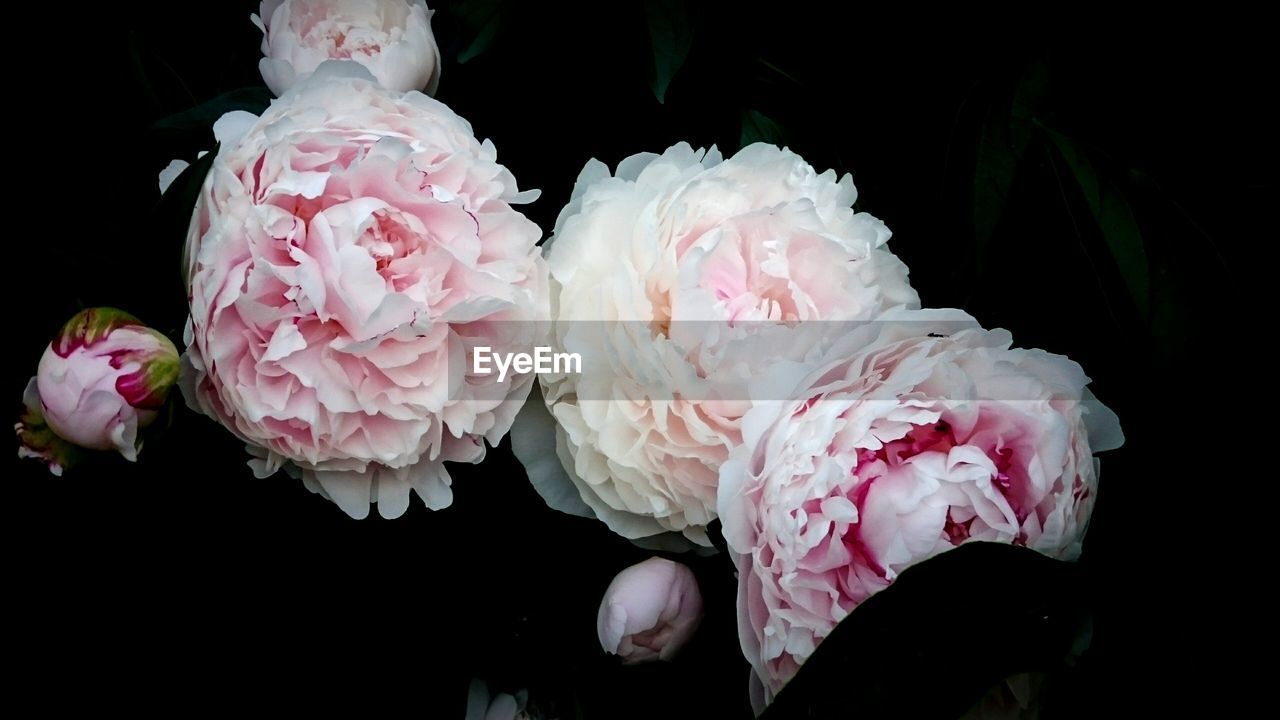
(931,437)
(922,438)
(388,242)
(956,532)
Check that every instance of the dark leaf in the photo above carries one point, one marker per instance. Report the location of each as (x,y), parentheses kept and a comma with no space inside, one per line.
(204,115)
(758,127)
(944,632)
(172,215)
(1006,133)
(779,71)
(715,533)
(163,87)
(1114,216)
(482,42)
(671,37)
(481,18)
(1144,181)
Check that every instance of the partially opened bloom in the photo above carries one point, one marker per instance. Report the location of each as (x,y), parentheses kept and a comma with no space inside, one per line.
(482,704)
(677,279)
(390,38)
(919,435)
(349,248)
(649,611)
(101,380)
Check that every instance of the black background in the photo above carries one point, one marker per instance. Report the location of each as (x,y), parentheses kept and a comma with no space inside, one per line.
(183,575)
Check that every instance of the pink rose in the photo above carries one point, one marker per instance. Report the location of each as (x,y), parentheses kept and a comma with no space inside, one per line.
(348,251)
(650,611)
(390,38)
(677,279)
(906,445)
(103,378)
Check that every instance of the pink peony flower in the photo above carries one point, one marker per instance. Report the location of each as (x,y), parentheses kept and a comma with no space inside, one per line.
(392,39)
(348,251)
(907,444)
(677,279)
(649,611)
(101,380)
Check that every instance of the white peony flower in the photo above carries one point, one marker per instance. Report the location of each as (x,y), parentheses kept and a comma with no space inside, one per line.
(392,39)
(677,280)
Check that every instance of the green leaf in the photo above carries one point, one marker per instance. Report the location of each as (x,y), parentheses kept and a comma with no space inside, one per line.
(758,127)
(204,115)
(671,37)
(482,41)
(483,18)
(186,186)
(1115,219)
(778,71)
(1005,135)
(164,88)
(38,441)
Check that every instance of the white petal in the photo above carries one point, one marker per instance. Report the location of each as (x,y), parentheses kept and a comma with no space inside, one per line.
(393,493)
(229,128)
(348,69)
(1102,424)
(533,441)
(839,509)
(612,625)
(525,196)
(503,707)
(348,489)
(31,395)
(431,481)
(124,436)
(285,341)
(474,309)
(477,700)
(277,74)
(630,168)
(171,173)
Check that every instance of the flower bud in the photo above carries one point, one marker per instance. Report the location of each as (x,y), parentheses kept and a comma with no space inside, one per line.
(390,38)
(101,380)
(649,611)
(482,704)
